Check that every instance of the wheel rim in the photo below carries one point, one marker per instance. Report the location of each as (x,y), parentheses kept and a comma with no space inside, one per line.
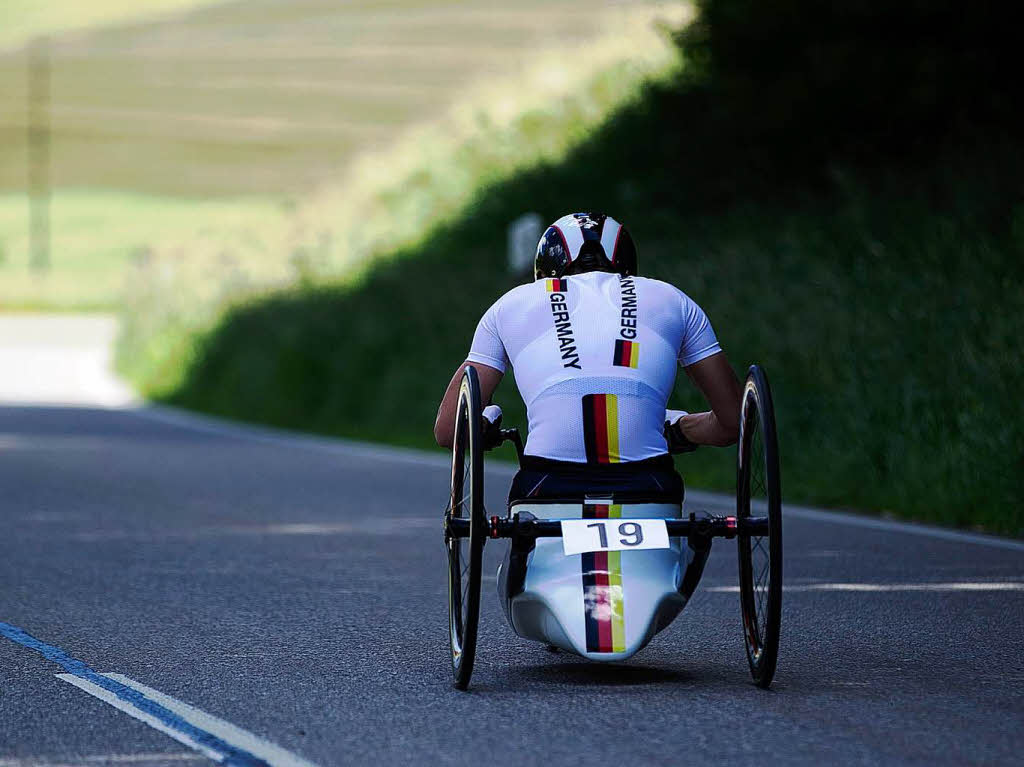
(757,548)
(759,491)
(459,554)
(465,554)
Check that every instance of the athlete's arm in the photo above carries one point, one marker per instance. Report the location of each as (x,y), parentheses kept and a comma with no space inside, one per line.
(444,426)
(487,354)
(718,383)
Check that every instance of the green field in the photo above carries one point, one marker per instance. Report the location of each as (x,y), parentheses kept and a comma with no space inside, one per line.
(256,103)
(23,20)
(102,238)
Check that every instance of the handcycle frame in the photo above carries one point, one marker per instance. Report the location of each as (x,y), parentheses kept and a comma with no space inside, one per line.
(757,471)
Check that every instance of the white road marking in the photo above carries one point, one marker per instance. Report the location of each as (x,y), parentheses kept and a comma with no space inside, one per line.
(225,731)
(885,587)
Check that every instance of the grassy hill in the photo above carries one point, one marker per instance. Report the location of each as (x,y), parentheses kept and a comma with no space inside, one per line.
(182,120)
(885,304)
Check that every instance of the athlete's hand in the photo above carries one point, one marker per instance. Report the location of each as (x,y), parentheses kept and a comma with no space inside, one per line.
(677,441)
(492,427)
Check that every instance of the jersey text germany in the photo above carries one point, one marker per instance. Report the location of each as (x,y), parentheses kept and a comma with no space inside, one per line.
(563,330)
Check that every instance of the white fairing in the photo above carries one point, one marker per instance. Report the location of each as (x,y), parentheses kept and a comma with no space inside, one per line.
(604,606)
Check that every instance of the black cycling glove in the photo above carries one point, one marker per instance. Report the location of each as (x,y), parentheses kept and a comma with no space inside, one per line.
(677,442)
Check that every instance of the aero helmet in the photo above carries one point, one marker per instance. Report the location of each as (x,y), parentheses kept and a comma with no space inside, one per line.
(585,242)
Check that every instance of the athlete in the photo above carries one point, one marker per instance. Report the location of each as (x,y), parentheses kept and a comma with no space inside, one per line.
(594,349)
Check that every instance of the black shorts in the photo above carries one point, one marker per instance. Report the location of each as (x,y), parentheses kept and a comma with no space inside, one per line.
(654,480)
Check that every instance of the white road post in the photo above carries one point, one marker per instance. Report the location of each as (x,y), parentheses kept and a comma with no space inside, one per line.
(523,234)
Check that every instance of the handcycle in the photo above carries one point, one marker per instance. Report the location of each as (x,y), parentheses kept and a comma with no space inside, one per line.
(600,577)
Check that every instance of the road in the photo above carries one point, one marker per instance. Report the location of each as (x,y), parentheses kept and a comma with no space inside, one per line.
(295,589)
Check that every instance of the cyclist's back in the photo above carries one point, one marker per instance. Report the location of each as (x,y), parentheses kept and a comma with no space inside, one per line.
(594,350)
(594,357)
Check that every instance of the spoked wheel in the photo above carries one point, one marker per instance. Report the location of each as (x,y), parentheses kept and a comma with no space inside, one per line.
(465,554)
(759,494)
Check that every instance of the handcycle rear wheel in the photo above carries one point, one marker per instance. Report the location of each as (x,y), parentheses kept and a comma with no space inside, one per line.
(760,557)
(465,554)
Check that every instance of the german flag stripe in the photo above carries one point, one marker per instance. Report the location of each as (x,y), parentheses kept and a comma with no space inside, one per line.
(602,590)
(627,353)
(590,408)
(558,286)
(618,616)
(612,426)
(601,428)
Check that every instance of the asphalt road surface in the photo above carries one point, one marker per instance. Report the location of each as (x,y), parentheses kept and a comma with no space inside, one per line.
(295,589)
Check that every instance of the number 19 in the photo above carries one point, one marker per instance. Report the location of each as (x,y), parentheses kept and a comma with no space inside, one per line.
(629,530)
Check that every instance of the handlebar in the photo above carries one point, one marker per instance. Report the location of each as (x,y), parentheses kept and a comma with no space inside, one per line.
(512,435)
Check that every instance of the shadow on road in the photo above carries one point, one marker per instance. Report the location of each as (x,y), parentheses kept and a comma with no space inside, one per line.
(603,674)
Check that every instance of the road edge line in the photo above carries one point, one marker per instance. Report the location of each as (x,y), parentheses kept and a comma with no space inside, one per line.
(230,733)
(146,718)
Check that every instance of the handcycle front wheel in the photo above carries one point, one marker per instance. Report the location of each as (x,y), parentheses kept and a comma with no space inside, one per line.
(465,554)
(758,484)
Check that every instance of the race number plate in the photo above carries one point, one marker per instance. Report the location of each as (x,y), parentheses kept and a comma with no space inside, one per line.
(583,535)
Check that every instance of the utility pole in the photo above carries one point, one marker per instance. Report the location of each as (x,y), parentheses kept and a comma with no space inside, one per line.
(38,126)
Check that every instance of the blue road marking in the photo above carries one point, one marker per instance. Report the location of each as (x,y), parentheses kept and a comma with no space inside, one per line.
(232,755)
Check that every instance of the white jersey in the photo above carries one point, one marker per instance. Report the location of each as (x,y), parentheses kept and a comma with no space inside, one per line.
(595,360)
